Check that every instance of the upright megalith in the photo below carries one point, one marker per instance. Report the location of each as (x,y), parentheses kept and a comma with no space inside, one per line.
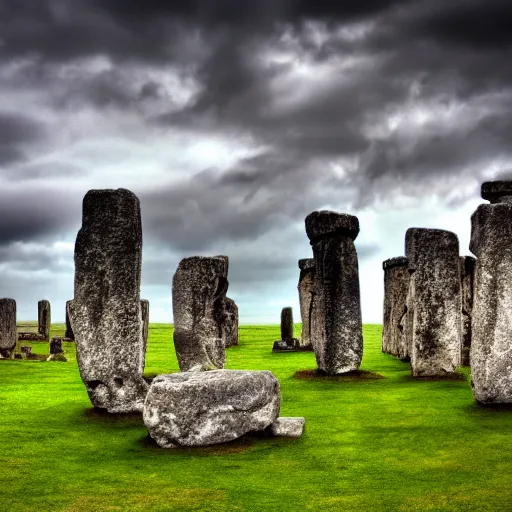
(144,309)
(396,285)
(337,336)
(467,272)
(491,340)
(44,319)
(287,341)
(69,329)
(199,287)
(433,256)
(228,320)
(307,300)
(8,334)
(106,312)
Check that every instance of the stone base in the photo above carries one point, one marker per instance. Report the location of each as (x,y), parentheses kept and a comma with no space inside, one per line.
(292,345)
(57,357)
(63,339)
(288,427)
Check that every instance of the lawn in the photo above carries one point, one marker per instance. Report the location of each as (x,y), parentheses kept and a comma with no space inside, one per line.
(390,444)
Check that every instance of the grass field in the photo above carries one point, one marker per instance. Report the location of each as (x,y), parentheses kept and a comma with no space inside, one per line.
(391,444)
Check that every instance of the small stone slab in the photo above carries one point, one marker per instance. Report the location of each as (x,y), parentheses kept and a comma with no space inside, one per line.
(31,336)
(288,427)
(497,191)
(57,357)
(307,264)
(291,345)
(399,261)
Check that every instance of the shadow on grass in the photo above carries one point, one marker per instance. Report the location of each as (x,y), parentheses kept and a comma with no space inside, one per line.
(103,416)
(353,376)
(239,445)
(457,376)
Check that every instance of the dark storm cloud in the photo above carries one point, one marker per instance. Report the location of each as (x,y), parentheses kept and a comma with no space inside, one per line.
(34,213)
(16,133)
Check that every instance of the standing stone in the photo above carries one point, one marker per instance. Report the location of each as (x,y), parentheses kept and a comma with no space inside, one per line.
(337,336)
(44,320)
(307,300)
(203,408)
(287,342)
(396,285)
(228,321)
(69,330)
(433,256)
(8,334)
(491,341)
(56,346)
(198,290)
(467,271)
(106,310)
(144,308)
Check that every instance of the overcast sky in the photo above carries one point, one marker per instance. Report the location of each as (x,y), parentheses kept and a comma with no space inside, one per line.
(232,121)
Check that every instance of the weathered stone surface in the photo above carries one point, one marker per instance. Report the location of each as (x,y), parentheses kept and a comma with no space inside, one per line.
(491,341)
(69,330)
(106,312)
(336,334)
(433,256)
(288,427)
(396,285)
(227,319)
(203,408)
(467,271)
(56,346)
(198,289)
(8,335)
(144,309)
(44,319)
(307,300)
(497,191)
(31,336)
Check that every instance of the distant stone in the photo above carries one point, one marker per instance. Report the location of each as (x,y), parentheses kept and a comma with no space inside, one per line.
(26,349)
(8,334)
(144,308)
(491,341)
(227,312)
(204,408)
(56,346)
(198,290)
(287,342)
(467,271)
(288,427)
(106,310)
(307,300)
(44,321)
(336,334)
(69,330)
(396,285)
(433,256)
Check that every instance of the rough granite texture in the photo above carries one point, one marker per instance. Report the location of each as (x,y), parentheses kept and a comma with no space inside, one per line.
(497,191)
(491,341)
(203,408)
(144,310)
(44,319)
(69,330)
(336,332)
(435,295)
(8,335)
(106,312)
(198,289)
(227,311)
(467,272)
(307,300)
(396,286)
(288,427)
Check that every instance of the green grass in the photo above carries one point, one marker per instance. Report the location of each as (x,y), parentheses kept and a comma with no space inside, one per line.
(391,444)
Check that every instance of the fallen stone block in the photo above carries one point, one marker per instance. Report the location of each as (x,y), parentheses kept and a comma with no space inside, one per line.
(204,408)
(288,427)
